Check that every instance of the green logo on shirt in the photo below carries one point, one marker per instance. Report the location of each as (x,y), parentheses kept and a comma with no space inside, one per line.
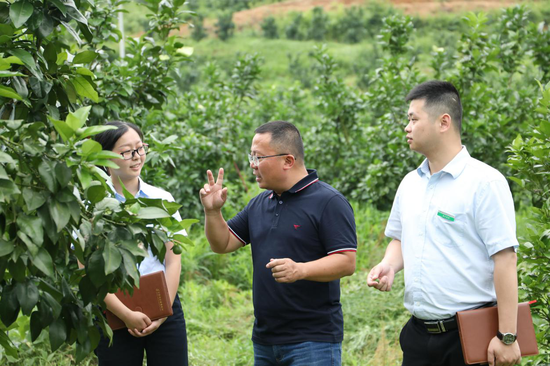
(446,216)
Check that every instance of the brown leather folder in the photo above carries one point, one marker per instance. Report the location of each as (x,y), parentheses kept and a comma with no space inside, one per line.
(477,327)
(152,298)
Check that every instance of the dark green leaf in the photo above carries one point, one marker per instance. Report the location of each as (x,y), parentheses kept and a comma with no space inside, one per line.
(87,290)
(20,12)
(59,4)
(33,199)
(43,261)
(9,307)
(96,193)
(84,57)
(18,270)
(20,87)
(58,333)
(130,264)
(46,27)
(7,344)
(85,89)
(111,257)
(47,173)
(63,174)
(36,325)
(6,247)
(60,214)
(27,295)
(28,61)
(53,304)
(32,247)
(32,226)
(47,222)
(95,269)
(6,159)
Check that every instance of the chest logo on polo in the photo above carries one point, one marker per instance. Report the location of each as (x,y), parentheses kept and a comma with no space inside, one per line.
(446,216)
(296,227)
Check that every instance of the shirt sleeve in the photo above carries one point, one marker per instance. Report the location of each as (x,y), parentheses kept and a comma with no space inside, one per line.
(238,226)
(338,226)
(394,226)
(495,217)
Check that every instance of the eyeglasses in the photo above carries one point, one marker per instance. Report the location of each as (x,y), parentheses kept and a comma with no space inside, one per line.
(129,154)
(254,159)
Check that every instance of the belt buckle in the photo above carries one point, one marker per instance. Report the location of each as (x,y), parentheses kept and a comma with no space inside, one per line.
(439,327)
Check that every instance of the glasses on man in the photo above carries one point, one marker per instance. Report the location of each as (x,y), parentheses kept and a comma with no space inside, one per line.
(129,154)
(255,160)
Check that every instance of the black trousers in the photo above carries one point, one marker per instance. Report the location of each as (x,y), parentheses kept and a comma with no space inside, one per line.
(167,346)
(421,348)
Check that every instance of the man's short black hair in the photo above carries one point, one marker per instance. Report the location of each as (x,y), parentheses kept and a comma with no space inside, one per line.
(284,136)
(440,97)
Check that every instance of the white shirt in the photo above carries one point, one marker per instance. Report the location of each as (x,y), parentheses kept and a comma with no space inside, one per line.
(450,224)
(151,263)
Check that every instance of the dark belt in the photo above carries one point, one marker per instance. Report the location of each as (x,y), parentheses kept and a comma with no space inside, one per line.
(438,326)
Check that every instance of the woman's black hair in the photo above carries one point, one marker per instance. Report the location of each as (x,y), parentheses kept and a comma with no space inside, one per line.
(109,138)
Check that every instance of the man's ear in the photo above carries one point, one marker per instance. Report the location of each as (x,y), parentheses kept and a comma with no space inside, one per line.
(445,122)
(290,161)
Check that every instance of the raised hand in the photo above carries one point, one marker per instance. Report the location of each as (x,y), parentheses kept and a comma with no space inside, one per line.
(213,195)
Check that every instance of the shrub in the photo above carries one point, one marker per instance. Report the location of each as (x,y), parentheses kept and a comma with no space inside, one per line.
(269,28)
(225,26)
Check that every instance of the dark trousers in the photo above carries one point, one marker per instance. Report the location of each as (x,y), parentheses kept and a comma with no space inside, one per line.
(421,348)
(167,346)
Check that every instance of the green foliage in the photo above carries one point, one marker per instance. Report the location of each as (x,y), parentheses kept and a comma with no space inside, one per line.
(269,28)
(225,26)
(198,32)
(530,160)
(55,205)
(319,24)
(293,29)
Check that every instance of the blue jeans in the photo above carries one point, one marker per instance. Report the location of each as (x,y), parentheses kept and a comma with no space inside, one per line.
(298,354)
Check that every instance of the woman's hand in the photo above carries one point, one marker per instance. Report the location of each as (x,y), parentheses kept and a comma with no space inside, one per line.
(137,320)
(155,324)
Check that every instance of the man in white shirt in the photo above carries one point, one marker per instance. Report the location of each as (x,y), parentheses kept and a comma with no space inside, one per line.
(453,232)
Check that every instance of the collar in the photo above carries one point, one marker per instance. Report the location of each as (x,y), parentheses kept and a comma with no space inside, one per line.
(454,167)
(305,182)
(140,193)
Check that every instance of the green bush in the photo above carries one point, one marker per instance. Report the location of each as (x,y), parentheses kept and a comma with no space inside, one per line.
(319,24)
(269,28)
(225,26)
(198,32)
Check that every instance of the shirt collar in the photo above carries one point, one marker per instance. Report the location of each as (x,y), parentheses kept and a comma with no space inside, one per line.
(454,167)
(305,182)
(141,191)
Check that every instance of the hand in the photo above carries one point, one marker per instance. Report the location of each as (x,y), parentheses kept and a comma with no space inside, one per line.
(381,277)
(500,354)
(213,195)
(137,320)
(155,324)
(285,270)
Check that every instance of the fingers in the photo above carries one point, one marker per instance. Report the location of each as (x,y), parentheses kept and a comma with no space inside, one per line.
(210,177)
(224,194)
(274,262)
(490,356)
(373,276)
(220,177)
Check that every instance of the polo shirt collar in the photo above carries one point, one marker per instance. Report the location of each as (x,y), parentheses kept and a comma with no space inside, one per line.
(305,182)
(454,167)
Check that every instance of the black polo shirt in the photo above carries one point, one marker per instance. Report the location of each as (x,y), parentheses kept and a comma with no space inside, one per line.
(307,222)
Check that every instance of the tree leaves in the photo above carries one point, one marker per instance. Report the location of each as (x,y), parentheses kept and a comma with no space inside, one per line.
(112,258)
(84,88)
(20,12)
(43,261)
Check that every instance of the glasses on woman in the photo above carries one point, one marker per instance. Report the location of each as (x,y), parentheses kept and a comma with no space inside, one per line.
(129,154)
(255,160)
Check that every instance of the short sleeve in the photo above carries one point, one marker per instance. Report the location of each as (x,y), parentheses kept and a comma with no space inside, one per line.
(337,227)
(394,226)
(495,217)
(238,226)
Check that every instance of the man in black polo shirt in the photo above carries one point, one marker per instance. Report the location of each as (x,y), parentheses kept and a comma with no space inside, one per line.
(302,233)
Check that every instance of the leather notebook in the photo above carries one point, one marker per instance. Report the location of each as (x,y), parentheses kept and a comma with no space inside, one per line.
(478,326)
(151,298)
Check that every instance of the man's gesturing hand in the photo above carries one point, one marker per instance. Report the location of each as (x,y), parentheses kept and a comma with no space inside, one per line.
(285,270)
(381,277)
(213,195)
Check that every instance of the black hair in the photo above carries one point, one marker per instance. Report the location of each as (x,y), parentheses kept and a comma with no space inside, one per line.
(108,138)
(284,136)
(441,96)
